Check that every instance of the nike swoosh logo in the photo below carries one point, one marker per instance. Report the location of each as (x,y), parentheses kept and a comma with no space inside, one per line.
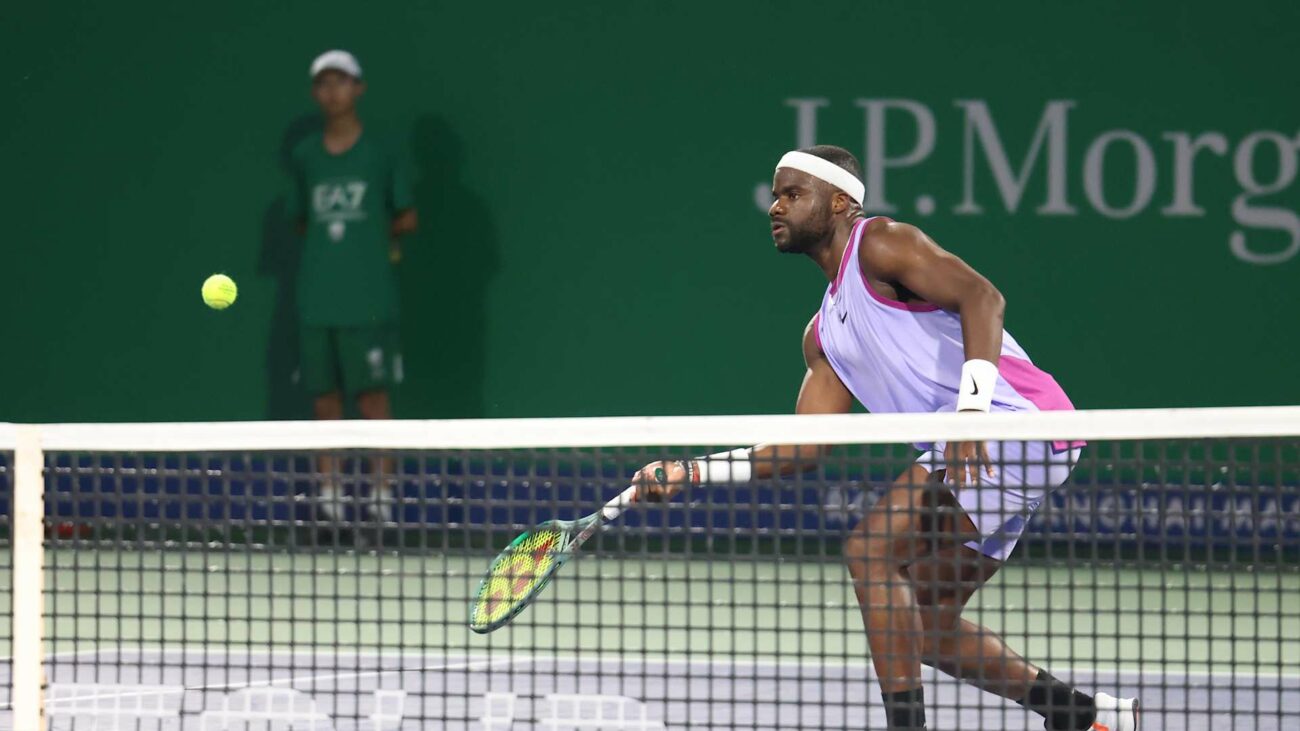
(975,388)
(844,316)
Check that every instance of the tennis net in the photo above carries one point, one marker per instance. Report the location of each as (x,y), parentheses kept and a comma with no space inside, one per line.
(320,576)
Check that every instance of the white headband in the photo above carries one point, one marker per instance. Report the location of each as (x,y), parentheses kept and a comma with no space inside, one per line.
(825,170)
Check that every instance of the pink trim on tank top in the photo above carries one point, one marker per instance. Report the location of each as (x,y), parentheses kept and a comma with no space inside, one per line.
(849,248)
(882,299)
(1037,387)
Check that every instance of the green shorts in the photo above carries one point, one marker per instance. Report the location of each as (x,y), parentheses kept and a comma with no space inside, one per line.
(349,359)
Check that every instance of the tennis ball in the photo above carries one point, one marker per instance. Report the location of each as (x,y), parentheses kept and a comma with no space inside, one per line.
(219,291)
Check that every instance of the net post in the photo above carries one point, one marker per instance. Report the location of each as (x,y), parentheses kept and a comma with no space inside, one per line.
(28,690)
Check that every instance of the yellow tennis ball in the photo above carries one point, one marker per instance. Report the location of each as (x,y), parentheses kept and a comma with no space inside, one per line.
(219,291)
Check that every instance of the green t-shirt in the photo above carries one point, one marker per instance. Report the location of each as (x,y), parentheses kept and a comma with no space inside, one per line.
(348,202)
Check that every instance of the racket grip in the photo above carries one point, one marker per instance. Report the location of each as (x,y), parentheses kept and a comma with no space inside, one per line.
(614,507)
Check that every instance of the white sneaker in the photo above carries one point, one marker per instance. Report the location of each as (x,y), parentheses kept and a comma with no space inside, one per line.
(1115,714)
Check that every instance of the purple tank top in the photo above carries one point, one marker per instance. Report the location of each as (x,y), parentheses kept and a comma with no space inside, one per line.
(907,357)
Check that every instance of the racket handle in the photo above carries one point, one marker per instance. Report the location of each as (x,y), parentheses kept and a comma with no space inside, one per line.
(614,507)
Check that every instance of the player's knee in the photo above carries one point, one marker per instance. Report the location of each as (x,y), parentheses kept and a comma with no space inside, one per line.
(373,404)
(939,619)
(328,405)
(939,595)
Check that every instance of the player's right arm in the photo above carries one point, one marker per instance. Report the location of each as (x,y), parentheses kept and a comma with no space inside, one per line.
(822,392)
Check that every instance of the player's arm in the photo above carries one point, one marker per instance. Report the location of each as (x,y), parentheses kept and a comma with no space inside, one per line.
(404,222)
(902,253)
(898,252)
(822,392)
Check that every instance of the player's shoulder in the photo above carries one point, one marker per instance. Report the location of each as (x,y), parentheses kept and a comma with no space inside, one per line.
(883,233)
(884,227)
(888,244)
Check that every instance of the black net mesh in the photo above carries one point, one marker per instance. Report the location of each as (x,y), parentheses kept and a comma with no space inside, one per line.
(332,590)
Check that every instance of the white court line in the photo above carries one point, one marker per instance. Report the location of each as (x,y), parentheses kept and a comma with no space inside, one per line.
(482,662)
(290,680)
(472,659)
(473,663)
(8,705)
(755,662)
(65,653)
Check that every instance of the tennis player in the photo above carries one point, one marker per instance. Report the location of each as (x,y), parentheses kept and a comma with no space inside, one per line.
(905,326)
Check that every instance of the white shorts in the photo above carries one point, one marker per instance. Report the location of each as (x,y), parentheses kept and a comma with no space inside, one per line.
(1001,505)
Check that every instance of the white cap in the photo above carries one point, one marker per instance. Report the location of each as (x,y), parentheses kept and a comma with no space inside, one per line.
(339,61)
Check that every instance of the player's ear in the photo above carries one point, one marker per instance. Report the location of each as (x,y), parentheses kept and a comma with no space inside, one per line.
(840,202)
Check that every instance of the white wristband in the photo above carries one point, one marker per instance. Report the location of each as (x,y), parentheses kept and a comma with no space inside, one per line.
(731,467)
(978,378)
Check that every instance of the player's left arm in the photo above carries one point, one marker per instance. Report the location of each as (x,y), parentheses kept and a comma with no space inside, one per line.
(903,254)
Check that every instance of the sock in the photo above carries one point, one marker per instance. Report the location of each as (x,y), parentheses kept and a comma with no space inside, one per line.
(328,499)
(1062,707)
(381,501)
(905,709)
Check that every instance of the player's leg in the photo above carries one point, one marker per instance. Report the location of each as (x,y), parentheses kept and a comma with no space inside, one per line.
(372,364)
(319,375)
(947,578)
(913,575)
(375,404)
(944,582)
(329,407)
(900,529)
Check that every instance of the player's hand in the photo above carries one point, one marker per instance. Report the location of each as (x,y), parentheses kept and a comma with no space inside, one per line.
(660,481)
(965,461)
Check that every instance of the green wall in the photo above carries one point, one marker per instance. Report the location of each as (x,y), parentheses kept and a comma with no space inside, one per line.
(586,177)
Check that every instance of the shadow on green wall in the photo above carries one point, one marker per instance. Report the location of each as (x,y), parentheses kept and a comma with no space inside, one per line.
(447,267)
(281,249)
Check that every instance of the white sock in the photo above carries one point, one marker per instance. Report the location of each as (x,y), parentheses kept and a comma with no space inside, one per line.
(329,497)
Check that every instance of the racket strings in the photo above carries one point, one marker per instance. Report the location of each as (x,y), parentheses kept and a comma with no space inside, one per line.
(516,574)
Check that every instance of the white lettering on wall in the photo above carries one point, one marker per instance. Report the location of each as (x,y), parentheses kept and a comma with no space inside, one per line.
(877,160)
(1268,232)
(1094,174)
(1051,131)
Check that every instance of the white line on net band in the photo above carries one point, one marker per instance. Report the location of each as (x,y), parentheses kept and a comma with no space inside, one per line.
(824,170)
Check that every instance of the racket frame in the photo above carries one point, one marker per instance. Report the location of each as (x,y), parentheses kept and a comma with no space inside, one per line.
(575,533)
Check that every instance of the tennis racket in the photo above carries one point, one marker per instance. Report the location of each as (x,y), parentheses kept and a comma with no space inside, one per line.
(520,573)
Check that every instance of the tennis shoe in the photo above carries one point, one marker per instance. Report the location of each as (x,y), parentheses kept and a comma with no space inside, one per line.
(1115,714)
